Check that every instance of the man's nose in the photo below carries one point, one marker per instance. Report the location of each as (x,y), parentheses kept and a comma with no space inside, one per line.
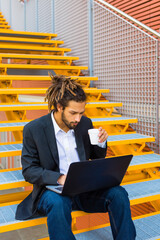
(77,118)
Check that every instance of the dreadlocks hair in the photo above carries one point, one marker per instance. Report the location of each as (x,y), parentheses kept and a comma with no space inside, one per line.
(62,90)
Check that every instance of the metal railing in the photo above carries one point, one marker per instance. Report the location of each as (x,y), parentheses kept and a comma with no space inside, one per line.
(133,20)
(126,61)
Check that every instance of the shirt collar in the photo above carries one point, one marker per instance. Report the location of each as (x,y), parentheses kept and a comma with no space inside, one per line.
(57,128)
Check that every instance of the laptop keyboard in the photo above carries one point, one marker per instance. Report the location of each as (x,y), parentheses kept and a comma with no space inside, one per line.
(60,188)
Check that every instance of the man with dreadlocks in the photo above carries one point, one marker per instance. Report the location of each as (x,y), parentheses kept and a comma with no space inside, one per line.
(50,144)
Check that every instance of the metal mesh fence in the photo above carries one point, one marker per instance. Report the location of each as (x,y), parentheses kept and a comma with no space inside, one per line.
(45,16)
(71,25)
(31,16)
(8,162)
(125,60)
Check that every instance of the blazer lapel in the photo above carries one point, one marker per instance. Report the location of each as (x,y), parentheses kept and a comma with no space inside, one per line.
(80,145)
(50,135)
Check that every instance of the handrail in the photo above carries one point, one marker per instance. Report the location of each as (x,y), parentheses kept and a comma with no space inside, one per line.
(130,18)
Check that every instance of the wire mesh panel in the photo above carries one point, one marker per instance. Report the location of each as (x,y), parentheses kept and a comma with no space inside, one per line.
(159,94)
(9,162)
(45,16)
(17,15)
(30,16)
(125,60)
(71,25)
(5,9)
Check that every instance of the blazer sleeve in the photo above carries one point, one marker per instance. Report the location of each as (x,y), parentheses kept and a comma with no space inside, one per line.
(32,169)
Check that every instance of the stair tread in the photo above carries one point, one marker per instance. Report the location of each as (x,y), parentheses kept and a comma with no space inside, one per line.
(37,56)
(147,228)
(36,66)
(145,159)
(43,105)
(114,120)
(127,137)
(6,125)
(23,123)
(43,90)
(29,41)
(149,225)
(10,176)
(26,34)
(11,147)
(42,78)
(120,138)
(32,48)
(143,189)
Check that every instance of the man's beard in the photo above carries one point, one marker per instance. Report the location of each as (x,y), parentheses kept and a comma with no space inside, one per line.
(68,124)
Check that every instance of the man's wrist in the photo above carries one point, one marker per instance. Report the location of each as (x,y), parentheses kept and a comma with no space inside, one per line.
(102,145)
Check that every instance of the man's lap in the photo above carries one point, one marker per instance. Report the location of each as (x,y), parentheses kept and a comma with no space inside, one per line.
(92,202)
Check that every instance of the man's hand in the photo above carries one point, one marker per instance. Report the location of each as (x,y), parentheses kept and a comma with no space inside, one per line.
(62,179)
(103,135)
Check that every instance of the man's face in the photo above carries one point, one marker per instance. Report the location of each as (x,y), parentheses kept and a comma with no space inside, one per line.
(72,114)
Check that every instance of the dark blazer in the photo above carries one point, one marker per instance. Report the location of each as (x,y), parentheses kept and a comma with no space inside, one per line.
(40,160)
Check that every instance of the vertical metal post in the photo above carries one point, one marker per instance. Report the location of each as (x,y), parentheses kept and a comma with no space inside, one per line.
(10,13)
(24,15)
(90,18)
(37,23)
(53,15)
(157,104)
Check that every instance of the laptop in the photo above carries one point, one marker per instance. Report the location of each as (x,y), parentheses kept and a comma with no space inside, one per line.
(93,175)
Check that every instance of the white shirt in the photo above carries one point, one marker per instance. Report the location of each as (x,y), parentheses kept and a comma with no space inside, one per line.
(67,147)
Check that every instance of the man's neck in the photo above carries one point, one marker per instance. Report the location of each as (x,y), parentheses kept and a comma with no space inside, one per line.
(60,123)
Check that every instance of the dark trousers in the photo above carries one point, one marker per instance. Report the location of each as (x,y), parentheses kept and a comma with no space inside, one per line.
(115,201)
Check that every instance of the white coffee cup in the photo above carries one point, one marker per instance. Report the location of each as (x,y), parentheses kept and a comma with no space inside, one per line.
(93,135)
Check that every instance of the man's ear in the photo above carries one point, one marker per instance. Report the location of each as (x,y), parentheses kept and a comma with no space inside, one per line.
(59,107)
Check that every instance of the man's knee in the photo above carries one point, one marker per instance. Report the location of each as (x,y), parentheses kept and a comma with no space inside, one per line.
(119,195)
(52,202)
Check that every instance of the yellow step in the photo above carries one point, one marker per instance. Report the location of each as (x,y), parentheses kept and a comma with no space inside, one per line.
(96,90)
(9,91)
(14,148)
(132,138)
(41,78)
(24,34)
(37,57)
(12,125)
(12,178)
(113,120)
(18,125)
(4,26)
(3,23)
(29,41)
(44,106)
(24,48)
(40,67)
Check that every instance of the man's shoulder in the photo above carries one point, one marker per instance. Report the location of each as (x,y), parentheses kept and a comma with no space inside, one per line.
(85,119)
(38,122)
(85,123)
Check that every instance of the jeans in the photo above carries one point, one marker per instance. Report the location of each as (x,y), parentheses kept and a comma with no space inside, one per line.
(115,201)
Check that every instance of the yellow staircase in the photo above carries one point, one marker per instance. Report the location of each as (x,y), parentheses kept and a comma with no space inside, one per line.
(20,94)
